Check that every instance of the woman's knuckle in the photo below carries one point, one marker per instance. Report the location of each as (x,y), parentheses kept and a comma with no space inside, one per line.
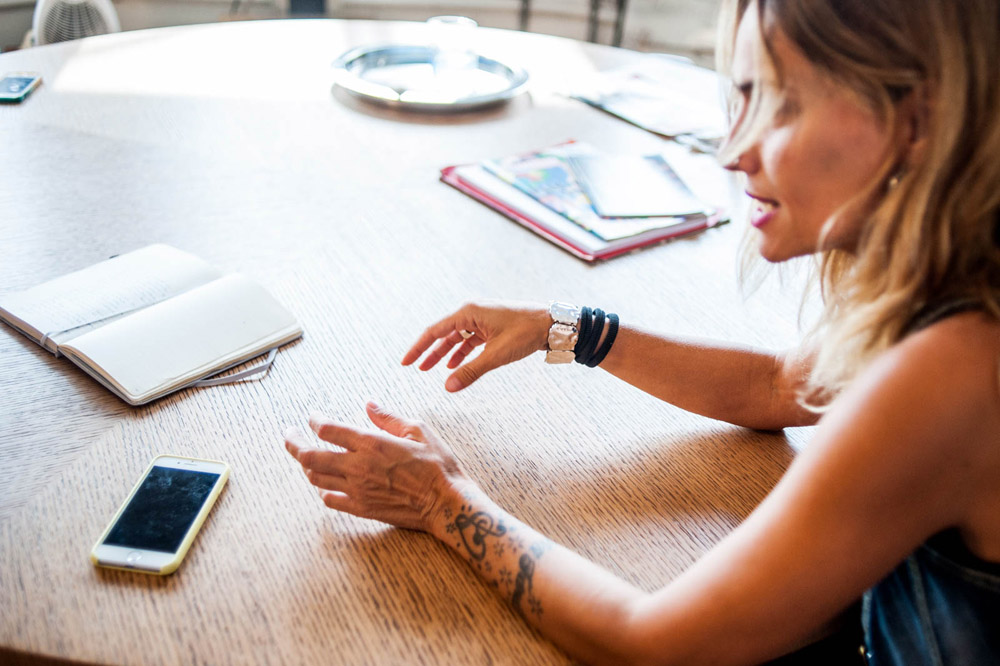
(378,448)
(415,429)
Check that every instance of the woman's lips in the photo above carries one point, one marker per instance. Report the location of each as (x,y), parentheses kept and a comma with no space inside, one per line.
(762,210)
(762,213)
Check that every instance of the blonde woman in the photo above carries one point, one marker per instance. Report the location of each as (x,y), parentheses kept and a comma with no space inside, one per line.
(869,135)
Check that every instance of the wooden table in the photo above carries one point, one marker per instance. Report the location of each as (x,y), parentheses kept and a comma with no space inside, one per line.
(224,140)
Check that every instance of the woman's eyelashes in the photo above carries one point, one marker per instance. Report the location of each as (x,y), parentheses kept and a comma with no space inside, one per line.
(788,109)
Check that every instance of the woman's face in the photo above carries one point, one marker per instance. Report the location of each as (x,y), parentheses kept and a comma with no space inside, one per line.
(822,148)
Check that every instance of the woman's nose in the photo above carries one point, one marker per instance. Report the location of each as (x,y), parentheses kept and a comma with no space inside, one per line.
(748,162)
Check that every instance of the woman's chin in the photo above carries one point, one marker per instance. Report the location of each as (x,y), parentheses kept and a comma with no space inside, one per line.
(770,253)
(774,252)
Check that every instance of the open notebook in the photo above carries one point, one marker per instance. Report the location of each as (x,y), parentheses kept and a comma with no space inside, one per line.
(152,321)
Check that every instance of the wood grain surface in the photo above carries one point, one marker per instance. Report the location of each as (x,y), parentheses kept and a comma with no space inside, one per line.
(225,141)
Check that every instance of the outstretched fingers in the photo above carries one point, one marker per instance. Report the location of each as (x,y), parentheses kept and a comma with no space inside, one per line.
(471,371)
(334,482)
(295,442)
(386,475)
(441,350)
(422,344)
(466,341)
(321,461)
(335,433)
(342,502)
(449,331)
(463,351)
(430,335)
(391,423)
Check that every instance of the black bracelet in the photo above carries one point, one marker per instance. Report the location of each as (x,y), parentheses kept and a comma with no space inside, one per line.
(589,345)
(584,331)
(608,341)
(596,331)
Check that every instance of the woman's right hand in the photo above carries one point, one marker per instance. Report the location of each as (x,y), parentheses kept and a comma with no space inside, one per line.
(508,332)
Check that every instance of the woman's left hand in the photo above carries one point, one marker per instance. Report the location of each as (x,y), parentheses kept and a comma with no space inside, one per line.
(401,474)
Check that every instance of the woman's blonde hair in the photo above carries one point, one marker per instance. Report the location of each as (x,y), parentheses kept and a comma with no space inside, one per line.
(931,230)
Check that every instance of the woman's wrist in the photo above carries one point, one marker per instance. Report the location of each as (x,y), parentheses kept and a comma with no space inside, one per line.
(544,323)
(454,495)
(580,334)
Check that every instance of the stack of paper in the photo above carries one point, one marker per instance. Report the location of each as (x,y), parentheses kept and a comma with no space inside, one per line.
(594,205)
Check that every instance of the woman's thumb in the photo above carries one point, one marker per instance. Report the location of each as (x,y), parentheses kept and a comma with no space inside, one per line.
(470,372)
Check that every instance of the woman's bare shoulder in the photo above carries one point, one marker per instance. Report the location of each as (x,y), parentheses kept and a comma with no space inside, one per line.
(951,369)
(962,350)
(932,402)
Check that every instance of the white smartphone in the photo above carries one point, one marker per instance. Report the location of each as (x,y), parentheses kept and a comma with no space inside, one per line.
(15,86)
(154,528)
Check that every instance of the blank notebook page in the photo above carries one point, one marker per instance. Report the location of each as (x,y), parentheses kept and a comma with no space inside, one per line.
(181,339)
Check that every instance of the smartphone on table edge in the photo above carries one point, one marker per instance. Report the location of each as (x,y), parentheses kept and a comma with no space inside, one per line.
(15,86)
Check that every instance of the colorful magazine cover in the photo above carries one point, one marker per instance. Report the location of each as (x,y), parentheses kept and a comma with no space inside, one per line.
(547,177)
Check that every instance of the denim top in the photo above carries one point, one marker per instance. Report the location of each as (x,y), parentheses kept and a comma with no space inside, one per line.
(941,605)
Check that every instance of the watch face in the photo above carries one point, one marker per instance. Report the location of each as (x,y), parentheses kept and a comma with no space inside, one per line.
(564,313)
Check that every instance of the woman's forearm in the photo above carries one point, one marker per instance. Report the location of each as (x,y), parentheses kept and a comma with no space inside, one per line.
(746,387)
(404,475)
(580,606)
(743,386)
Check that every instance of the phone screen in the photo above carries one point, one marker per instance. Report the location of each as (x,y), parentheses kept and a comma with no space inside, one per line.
(15,85)
(162,510)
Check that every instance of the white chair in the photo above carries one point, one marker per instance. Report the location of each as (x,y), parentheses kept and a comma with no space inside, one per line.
(63,20)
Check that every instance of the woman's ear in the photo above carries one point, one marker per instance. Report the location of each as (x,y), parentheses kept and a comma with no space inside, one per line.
(914,115)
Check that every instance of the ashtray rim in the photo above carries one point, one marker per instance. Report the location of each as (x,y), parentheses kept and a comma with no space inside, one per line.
(349,65)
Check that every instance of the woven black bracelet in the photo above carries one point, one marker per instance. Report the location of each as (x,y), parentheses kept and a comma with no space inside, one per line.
(585,319)
(594,336)
(589,346)
(608,341)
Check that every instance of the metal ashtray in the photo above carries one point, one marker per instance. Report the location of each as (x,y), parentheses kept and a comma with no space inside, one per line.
(427,78)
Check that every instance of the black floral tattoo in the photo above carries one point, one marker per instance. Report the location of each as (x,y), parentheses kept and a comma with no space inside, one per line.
(523,582)
(535,604)
(482,525)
